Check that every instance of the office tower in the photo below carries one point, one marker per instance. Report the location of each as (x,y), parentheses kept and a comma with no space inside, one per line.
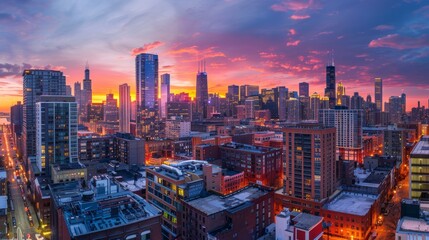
(304,108)
(309,172)
(86,94)
(378,83)
(395,140)
(147,96)
(368,99)
(419,170)
(304,89)
(269,98)
(404,103)
(233,96)
(56,132)
(292,110)
(110,109)
(248,90)
(81,109)
(251,106)
(348,123)
(395,109)
(16,119)
(68,90)
(314,106)
(37,83)
(165,93)
(324,102)
(202,93)
(281,103)
(345,101)
(95,112)
(356,101)
(330,85)
(293,94)
(341,91)
(133,111)
(124,108)
(180,109)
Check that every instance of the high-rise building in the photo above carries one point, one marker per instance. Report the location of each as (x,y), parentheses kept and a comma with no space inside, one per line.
(86,94)
(68,90)
(124,108)
(304,108)
(165,93)
(395,109)
(95,112)
(314,106)
(147,96)
(37,83)
(110,108)
(419,170)
(356,101)
(404,103)
(292,110)
(281,103)
(56,132)
(16,122)
(202,94)
(310,172)
(330,85)
(378,82)
(341,91)
(248,90)
(81,109)
(233,96)
(348,123)
(304,89)
(395,141)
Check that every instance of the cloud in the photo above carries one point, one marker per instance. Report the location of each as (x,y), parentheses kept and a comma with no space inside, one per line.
(209,52)
(292,31)
(384,27)
(146,47)
(238,59)
(292,5)
(293,43)
(399,42)
(299,17)
(267,55)
(12,70)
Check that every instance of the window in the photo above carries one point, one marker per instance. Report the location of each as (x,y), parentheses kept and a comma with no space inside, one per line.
(145,235)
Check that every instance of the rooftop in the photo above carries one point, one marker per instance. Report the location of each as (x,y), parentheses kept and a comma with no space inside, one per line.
(351,203)
(2,174)
(85,212)
(248,148)
(306,221)
(3,202)
(408,224)
(214,203)
(179,169)
(422,147)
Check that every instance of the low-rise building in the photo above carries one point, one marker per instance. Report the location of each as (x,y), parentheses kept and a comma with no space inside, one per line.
(242,215)
(86,215)
(298,226)
(68,172)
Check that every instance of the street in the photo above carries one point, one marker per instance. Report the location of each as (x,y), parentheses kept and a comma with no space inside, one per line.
(18,191)
(388,228)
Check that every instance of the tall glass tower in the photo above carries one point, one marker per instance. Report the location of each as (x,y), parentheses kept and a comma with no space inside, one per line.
(378,82)
(147,96)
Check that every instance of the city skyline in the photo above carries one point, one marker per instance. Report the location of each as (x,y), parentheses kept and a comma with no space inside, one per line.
(271,43)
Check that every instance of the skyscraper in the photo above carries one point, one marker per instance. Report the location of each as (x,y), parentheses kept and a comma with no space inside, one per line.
(81,109)
(314,106)
(165,93)
(304,89)
(378,82)
(248,90)
(110,108)
(283,93)
(341,91)
(404,103)
(147,96)
(395,109)
(233,96)
(56,132)
(86,94)
(292,110)
(202,93)
(37,83)
(124,108)
(330,85)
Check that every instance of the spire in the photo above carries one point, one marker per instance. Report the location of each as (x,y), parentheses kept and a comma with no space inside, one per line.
(332,52)
(86,65)
(204,65)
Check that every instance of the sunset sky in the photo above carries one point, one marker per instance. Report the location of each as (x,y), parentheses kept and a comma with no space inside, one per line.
(263,42)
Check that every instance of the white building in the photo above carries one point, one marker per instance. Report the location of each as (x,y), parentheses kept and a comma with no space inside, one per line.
(177,128)
(298,226)
(348,123)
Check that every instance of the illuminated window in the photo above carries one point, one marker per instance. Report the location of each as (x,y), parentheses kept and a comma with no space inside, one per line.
(181,192)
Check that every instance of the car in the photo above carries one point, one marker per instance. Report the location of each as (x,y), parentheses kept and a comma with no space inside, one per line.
(39,236)
(31,223)
(14,222)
